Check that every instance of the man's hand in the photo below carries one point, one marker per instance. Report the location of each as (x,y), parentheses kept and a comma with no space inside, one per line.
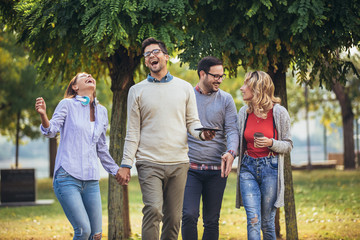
(226,164)
(208,134)
(123,176)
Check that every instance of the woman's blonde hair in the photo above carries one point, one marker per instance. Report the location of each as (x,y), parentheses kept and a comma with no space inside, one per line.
(262,87)
(70,92)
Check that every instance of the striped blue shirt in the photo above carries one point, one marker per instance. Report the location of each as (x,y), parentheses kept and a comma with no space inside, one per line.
(79,148)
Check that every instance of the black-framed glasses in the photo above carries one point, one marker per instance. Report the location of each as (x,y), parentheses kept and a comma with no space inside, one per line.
(217,76)
(154,51)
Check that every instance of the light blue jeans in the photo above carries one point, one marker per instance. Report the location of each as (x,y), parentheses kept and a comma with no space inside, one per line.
(81,202)
(258,186)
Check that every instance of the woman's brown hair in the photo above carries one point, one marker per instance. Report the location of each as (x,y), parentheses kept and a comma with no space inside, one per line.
(70,92)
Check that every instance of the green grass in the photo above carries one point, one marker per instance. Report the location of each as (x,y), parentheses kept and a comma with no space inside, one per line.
(327,207)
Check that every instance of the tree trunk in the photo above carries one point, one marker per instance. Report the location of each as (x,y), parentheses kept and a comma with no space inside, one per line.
(348,124)
(52,155)
(307,127)
(18,115)
(357,137)
(357,143)
(325,143)
(277,224)
(121,66)
(279,79)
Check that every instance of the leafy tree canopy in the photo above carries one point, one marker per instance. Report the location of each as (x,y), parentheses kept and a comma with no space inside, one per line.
(18,90)
(266,34)
(66,36)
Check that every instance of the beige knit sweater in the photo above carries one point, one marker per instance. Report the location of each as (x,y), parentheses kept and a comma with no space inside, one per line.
(159,115)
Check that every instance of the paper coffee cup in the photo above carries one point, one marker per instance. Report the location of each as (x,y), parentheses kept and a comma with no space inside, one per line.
(257,135)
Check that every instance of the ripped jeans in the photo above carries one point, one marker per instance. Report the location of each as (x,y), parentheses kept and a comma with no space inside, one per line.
(258,186)
(81,202)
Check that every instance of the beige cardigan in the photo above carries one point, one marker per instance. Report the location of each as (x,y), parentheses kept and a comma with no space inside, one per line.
(281,146)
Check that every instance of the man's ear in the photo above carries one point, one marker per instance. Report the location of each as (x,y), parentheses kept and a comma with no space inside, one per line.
(202,74)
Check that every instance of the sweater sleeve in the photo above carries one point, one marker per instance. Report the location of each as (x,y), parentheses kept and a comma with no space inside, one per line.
(192,116)
(282,122)
(132,138)
(231,126)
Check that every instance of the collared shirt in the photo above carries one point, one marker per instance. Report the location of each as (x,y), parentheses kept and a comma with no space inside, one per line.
(79,148)
(197,88)
(168,77)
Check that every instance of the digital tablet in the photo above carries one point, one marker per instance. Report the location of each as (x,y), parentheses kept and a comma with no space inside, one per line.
(208,128)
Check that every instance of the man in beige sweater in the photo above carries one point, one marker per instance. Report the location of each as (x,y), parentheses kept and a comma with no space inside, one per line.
(161,110)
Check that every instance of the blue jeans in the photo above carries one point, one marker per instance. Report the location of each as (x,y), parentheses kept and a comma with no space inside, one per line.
(81,202)
(258,186)
(210,185)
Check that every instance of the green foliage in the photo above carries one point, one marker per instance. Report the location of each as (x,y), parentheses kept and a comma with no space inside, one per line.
(18,90)
(230,85)
(264,34)
(66,37)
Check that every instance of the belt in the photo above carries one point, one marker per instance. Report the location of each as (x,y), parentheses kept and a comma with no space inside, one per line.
(204,167)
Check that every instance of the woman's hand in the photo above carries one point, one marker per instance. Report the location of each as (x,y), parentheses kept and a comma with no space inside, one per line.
(263,142)
(123,176)
(40,106)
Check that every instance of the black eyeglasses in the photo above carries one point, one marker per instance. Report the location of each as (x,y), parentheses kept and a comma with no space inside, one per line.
(217,76)
(155,52)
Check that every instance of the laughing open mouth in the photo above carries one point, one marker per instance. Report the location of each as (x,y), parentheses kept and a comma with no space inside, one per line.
(154,62)
(90,80)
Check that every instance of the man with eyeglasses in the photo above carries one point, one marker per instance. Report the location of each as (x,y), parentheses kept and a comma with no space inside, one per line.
(161,110)
(210,163)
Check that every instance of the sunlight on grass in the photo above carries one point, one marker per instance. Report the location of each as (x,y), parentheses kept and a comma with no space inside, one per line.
(327,207)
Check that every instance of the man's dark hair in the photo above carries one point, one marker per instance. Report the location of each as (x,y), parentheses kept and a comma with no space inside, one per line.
(206,63)
(150,41)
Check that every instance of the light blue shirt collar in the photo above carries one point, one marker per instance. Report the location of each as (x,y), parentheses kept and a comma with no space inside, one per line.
(168,77)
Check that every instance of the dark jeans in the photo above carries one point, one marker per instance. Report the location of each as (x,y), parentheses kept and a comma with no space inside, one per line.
(210,185)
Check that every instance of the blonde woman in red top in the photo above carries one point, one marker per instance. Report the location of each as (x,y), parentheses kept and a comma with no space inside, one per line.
(264,139)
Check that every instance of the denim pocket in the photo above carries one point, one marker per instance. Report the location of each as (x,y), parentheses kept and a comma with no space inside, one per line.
(244,160)
(273,162)
(61,173)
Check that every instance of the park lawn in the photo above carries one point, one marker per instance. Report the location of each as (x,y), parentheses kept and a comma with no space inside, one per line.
(327,207)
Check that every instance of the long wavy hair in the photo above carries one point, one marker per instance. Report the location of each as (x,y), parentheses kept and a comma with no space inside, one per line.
(262,87)
(70,92)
